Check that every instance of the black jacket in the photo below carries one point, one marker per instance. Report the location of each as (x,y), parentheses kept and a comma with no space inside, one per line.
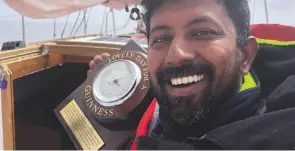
(259,118)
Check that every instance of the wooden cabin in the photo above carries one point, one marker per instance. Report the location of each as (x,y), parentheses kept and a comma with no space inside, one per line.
(38,78)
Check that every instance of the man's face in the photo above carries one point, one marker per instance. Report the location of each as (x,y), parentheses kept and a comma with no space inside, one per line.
(193,58)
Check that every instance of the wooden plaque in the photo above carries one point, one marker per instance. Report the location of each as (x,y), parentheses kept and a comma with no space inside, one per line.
(95,121)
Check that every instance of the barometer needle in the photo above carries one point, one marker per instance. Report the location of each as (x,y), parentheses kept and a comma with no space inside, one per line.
(116,82)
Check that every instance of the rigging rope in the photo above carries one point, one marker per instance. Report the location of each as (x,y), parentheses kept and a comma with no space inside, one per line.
(253,11)
(84,20)
(75,23)
(103,19)
(122,27)
(63,31)
(80,23)
(88,18)
(114,24)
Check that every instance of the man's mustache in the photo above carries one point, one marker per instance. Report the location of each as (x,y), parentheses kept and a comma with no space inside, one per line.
(184,70)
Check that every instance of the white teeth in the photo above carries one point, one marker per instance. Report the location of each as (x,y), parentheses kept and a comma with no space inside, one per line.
(172,81)
(179,81)
(187,79)
(190,79)
(195,78)
(175,81)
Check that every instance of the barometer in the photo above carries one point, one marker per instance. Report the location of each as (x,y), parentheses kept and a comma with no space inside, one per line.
(115,82)
(117,86)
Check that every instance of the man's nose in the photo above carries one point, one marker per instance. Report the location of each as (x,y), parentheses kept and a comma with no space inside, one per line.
(179,53)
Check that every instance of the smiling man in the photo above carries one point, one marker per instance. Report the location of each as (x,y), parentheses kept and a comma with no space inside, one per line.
(199,60)
(196,56)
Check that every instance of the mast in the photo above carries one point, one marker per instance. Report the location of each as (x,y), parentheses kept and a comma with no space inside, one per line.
(266,11)
(23,29)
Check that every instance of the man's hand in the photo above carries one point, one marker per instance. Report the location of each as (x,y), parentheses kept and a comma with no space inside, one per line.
(97,59)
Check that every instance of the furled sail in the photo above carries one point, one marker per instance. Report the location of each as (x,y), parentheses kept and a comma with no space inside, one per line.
(59,8)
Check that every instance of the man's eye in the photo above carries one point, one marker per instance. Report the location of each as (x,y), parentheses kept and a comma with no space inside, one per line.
(161,39)
(204,33)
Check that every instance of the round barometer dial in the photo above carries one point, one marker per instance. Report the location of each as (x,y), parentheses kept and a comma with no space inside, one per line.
(115,82)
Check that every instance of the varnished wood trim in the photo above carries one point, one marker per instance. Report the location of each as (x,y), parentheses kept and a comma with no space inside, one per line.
(6,61)
(8,112)
(80,50)
(4,55)
(85,43)
(29,65)
(15,69)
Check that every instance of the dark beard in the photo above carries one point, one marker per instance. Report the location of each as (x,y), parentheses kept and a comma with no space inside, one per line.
(181,110)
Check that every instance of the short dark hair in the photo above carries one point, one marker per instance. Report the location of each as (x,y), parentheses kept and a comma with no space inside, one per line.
(238,11)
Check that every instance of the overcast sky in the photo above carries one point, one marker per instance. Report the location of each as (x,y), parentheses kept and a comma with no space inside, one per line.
(280,11)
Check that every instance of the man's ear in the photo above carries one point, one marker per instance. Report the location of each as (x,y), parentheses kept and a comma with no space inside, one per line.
(249,51)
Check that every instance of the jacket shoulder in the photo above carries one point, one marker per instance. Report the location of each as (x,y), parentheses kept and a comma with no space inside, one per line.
(283,96)
(274,130)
